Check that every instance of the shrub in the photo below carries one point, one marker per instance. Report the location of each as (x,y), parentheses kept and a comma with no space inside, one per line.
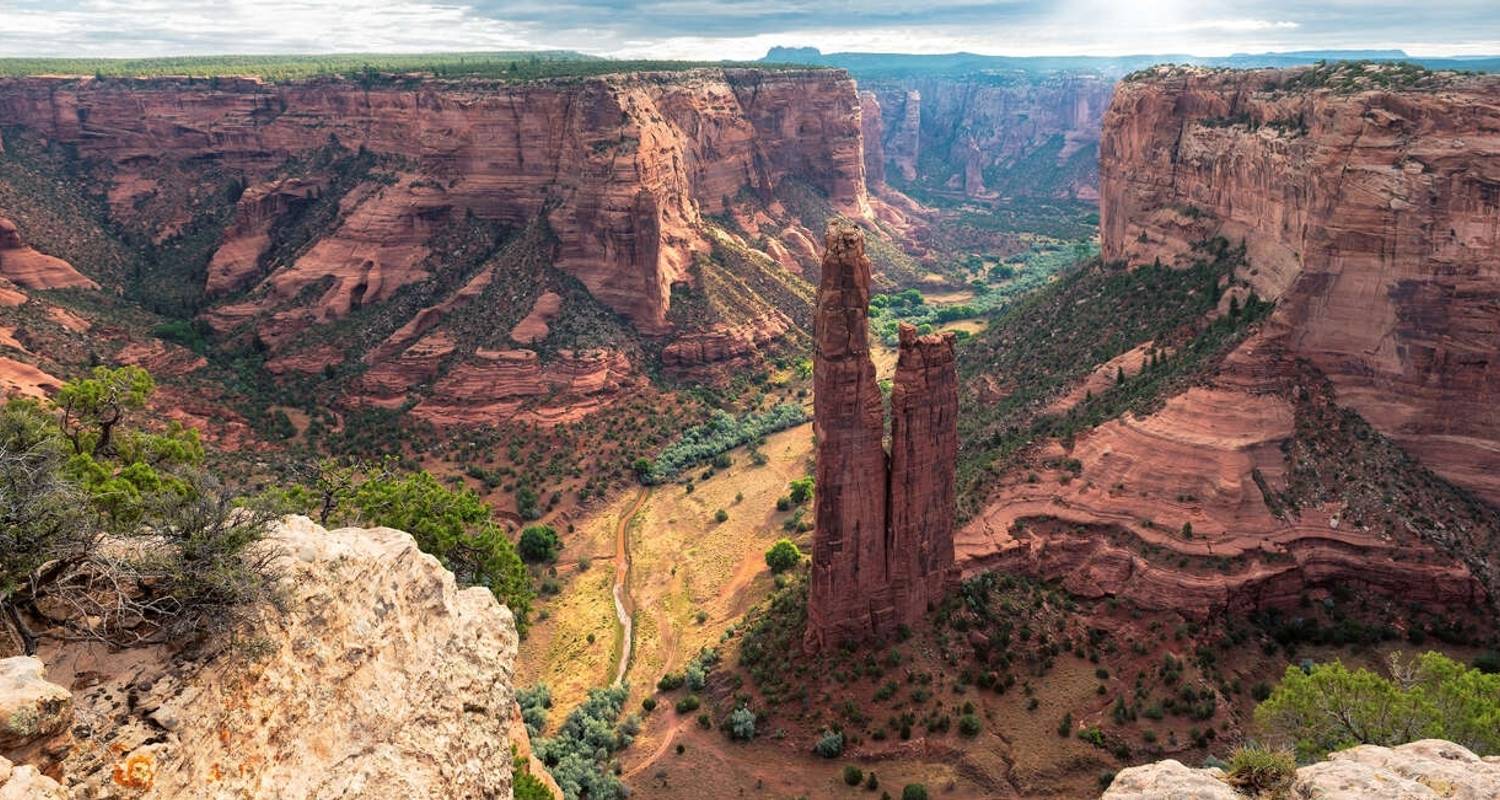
(801,490)
(688,704)
(1328,707)
(539,543)
(914,791)
(648,704)
(853,775)
(783,556)
(969,725)
(695,676)
(534,703)
(830,744)
(871,782)
(670,681)
(721,516)
(723,432)
(578,755)
(742,724)
(1065,727)
(1261,772)
(455,526)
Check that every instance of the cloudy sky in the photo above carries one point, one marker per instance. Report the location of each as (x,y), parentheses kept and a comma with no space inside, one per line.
(714,29)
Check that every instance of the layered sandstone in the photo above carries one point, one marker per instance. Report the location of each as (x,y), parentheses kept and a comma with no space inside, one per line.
(236,262)
(23,266)
(376,678)
(516,384)
(1424,770)
(872,131)
(980,130)
(1368,213)
(622,166)
(884,546)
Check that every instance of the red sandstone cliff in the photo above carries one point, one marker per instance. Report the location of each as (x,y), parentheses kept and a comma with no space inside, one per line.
(883,546)
(622,169)
(623,166)
(23,266)
(1370,214)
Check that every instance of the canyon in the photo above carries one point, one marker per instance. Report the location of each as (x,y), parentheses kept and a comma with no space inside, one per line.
(1366,212)
(378,207)
(883,550)
(986,138)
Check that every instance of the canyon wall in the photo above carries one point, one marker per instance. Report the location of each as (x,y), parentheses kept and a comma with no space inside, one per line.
(983,138)
(883,546)
(622,166)
(1371,214)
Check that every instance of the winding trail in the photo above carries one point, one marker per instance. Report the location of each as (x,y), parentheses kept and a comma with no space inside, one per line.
(623,604)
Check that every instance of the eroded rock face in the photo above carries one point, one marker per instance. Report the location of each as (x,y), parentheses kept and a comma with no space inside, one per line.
(1369,215)
(236,262)
(1424,770)
(872,130)
(381,679)
(24,266)
(849,549)
(924,454)
(623,166)
(883,545)
(25,782)
(31,707)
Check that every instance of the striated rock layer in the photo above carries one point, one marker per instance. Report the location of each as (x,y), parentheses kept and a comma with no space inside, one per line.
(379,679)
(623,166)
(1373,216)
(883,547)
(23,266)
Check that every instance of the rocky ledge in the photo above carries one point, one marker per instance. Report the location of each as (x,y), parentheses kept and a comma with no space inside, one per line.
(1431,768)
(376,677)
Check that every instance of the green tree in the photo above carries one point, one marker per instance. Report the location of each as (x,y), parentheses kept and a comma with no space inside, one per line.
(1329,707)
(539,543)
(801,490)
(453,525)
(783,556)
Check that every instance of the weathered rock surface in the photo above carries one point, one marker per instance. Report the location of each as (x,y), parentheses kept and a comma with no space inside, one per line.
(883,545)
(872,130)
(1370,215)
(380,679)
(23,266)
(236,262)
(623,166)
(31,707)
(25,782)
(1424,770)
(849,548)
(515,384)
(924,455)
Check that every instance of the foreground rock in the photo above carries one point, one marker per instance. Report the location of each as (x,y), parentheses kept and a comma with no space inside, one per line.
(31,707)
(380,679)
(1431,768)
(24,782)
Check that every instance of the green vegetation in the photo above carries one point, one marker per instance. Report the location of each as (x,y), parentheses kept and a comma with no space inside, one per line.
(1056,336)
(1262,772)
(1327,707)
(369,68)
(723,432)
(853,775)
(538,544)
(454,525)
(914,791)
(74,473)
(830,744)
(577,756)
(742,724)
(783,556)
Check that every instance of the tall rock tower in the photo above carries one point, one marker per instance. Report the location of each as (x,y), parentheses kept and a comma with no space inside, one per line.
(884,542)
